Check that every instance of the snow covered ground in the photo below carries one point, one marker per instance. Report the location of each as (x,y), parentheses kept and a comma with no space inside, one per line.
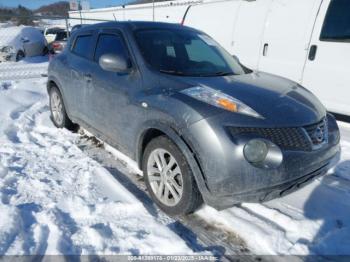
(57,199)
(31,67)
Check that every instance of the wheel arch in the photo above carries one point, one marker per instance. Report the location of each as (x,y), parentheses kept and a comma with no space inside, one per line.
(155,129)
(52,82)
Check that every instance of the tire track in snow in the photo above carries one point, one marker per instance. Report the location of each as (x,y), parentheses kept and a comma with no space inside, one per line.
(19,133)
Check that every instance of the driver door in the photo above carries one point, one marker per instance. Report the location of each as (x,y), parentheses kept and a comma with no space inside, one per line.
(108,97)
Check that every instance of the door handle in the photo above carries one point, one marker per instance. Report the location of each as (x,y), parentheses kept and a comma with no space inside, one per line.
(88,77)
(312,52)
(266,48)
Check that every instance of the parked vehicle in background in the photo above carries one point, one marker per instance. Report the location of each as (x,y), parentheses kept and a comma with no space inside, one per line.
(306,41)
(198,123)
(58,43)
(51,32)
(19,42)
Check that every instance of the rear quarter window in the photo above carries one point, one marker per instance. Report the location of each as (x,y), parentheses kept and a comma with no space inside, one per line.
(82,45)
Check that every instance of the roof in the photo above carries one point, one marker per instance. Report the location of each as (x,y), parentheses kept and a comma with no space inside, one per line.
(136,25)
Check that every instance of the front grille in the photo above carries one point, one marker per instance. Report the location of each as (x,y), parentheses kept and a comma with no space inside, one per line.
(318,132)
(292,138)
(286,138)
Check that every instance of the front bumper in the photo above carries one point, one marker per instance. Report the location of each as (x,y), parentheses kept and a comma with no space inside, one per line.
(269,193)
(230,179)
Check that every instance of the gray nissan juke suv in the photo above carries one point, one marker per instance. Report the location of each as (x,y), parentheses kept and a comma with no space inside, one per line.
(200,125)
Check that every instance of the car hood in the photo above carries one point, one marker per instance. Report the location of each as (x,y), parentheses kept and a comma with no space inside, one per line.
(279,101)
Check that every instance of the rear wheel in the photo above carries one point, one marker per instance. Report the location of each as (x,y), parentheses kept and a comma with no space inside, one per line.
(58,112)
(169,178)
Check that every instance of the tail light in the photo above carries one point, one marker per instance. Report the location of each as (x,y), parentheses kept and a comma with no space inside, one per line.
(56,46)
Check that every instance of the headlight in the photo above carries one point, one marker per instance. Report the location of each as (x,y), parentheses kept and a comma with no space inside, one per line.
(219,99)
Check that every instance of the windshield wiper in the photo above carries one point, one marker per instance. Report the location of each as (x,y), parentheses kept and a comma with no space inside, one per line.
(223,73)
(180,73)
(172,72)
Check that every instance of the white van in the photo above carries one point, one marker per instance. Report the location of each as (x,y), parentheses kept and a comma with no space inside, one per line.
(307,41)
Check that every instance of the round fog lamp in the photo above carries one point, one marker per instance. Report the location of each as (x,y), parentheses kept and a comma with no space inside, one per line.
(255,151)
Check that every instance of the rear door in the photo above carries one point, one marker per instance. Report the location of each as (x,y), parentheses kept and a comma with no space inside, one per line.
(249,30)
(327,70)
(286,37)
(78,62)
(216,19)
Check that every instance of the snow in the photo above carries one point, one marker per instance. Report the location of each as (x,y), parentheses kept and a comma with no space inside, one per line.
(30,67)
(57,199)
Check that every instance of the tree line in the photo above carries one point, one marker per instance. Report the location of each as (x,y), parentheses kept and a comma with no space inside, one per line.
(21,15)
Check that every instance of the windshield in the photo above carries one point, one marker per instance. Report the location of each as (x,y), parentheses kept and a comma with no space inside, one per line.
(185,52)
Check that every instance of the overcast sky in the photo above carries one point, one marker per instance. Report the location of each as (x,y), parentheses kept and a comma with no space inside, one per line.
(33,4)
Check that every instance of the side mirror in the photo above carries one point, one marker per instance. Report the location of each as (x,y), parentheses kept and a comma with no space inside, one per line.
(114,63)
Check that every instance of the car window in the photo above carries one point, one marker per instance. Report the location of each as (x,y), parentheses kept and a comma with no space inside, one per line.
(110,44)
(82,45)
(186,53)
(337,22)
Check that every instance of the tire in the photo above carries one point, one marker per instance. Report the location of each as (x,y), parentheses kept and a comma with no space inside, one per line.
(20,55)
(186,200)
(59,115)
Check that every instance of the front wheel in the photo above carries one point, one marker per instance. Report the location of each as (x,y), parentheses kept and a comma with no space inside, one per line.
(169,179)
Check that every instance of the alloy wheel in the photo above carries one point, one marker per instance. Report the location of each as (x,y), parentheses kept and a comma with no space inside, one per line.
(165,177)
(56,108)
